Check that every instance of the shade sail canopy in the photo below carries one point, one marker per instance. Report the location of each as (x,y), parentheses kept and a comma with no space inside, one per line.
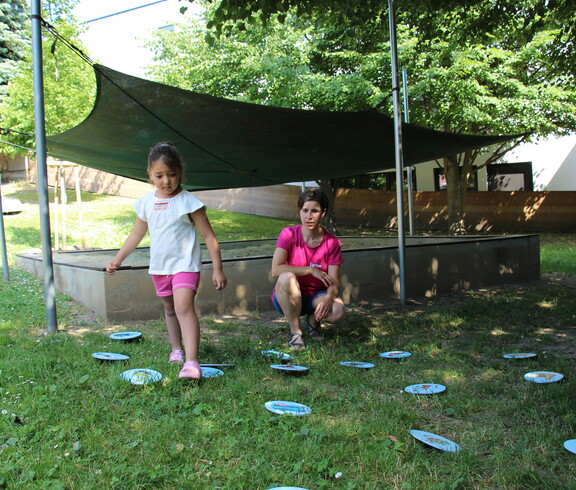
(229,144)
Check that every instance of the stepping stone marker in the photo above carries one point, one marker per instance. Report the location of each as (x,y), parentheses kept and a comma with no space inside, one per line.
(141,376)
(110,356)
(357,364)
(425,389)
(291,408)
(436,441)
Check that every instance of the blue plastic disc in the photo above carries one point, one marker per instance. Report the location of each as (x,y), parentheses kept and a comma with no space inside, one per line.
(110,356)
(141,376)
(126,336)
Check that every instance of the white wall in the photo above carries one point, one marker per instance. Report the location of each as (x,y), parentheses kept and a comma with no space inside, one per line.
(553,162)
(553,165)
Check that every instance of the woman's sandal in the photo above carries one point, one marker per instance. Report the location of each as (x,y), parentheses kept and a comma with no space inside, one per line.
(313,332)
(296,342)
(191,370)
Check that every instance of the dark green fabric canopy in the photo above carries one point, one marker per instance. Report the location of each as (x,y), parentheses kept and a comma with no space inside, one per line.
(229,144)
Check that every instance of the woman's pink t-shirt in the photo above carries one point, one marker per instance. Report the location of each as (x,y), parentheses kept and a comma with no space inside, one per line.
(329,252)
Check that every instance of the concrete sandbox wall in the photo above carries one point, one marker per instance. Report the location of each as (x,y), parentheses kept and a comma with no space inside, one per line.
(439,266)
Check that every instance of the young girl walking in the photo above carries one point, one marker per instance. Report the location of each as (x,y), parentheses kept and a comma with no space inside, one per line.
(173,217)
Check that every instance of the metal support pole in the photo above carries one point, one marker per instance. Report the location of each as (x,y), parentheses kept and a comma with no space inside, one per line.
(5,270)
(398,153)
(410,168)
(40,129)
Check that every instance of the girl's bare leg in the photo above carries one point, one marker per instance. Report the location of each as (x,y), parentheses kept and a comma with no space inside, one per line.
(189,325)
(172,323)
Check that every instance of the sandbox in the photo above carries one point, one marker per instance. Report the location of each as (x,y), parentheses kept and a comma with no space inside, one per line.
(434,265)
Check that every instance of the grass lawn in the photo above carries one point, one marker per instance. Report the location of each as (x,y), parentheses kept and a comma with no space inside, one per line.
(68,421)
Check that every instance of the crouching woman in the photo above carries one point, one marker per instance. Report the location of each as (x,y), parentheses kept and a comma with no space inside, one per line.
(307,262)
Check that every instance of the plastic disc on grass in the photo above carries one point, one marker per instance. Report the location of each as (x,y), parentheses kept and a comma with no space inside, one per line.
(210,372)
(141,376)
(276,354)
(519,355)
(110,356)
(217,366)
(291,408)
(288,488)
(425,389)
(570,445)
(290,368)
(395,354)
(543,377)
(126,336)
(436,441)
(357,364)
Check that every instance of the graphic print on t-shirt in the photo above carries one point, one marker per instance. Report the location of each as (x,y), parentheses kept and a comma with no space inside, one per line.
(160,205)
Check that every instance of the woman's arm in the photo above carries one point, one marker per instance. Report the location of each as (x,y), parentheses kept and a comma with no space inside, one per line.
(324,307)
(279,266)
(131,242)
(200,219)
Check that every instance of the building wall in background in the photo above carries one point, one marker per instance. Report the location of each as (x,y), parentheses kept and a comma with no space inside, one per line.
(485,211)
(553,166)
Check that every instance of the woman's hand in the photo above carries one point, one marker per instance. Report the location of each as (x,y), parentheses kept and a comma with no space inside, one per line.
(324,307)
(323,276)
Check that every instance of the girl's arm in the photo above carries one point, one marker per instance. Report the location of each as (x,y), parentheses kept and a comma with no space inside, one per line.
(200,219)
(131,242)
(279,266)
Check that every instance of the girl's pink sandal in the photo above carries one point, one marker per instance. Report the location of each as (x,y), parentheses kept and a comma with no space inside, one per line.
(191,370)
(176,357)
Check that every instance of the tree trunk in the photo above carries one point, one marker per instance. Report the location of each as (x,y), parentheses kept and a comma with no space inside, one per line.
(329,187)
(456,185)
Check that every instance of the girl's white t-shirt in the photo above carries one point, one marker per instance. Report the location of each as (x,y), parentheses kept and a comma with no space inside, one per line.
(174,244)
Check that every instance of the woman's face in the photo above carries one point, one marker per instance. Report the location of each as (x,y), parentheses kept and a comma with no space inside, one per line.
(311,215)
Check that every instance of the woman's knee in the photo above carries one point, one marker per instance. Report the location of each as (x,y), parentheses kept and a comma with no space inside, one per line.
(287,283)
(338,311)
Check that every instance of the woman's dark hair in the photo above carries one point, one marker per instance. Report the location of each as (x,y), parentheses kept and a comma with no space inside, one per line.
(168,153)
(316,195)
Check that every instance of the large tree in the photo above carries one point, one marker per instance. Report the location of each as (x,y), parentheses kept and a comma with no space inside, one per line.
(484,89)
(495,85)
(69,83)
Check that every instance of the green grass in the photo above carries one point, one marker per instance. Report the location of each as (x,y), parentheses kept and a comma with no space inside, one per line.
(558,253)
(68,421)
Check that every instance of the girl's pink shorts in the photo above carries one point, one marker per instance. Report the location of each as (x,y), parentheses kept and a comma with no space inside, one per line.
(165,285)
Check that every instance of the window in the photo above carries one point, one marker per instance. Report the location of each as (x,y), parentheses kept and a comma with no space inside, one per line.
(441,185)
(510,177)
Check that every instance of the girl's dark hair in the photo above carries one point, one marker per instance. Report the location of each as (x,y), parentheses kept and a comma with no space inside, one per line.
(168,153)
(316,195)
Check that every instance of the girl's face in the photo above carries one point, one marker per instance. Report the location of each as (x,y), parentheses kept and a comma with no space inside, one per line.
(311,214)
(165,179)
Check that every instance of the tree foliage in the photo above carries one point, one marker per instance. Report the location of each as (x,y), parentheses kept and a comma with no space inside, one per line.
(14,38)
(477,66)
(69,85)
(470,20)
